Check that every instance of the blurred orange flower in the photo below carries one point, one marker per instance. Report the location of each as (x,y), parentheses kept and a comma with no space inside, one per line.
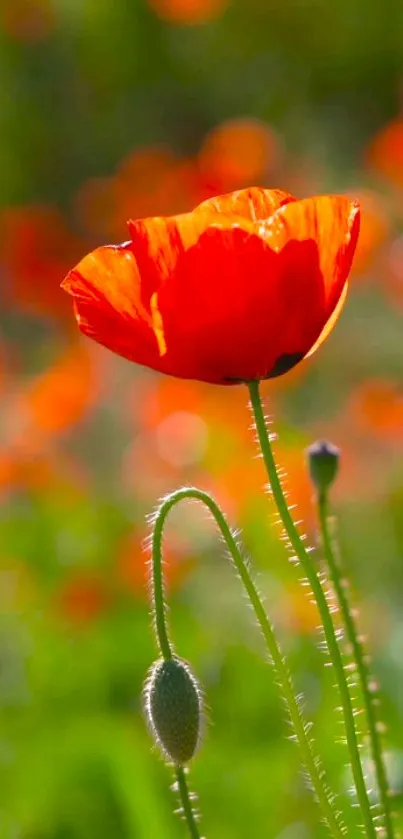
(385,152)
(244,287)
(149,181)
(24,467)
(35,250)
(82,598)
(377,407)
(188,12)
(53,401)
(62,395)
(375,229)
(17,470)
(33,415)
(153,181)
(27,20)
(137,184)
(238,152)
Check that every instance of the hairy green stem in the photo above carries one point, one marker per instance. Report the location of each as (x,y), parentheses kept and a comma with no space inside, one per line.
(359,660)
(300,728)
(319,595)
(159,610)
(186,802)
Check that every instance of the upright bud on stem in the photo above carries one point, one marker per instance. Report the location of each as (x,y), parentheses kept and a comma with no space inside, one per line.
(173,705)
(323,462)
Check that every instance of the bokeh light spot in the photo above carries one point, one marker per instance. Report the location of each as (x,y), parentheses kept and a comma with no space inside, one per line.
(182,438)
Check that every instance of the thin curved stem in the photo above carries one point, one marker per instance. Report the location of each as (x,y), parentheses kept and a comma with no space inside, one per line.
(359,659)
(186,802)
(159,610)
(327,622)
(300,728)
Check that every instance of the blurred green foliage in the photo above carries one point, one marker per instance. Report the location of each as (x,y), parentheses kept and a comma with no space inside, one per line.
(84,83)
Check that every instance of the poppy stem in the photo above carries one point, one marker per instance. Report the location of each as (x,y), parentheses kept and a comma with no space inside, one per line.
(328,627)
(186,802)
(329,547)
(299,725)
(160,606)
(166,649)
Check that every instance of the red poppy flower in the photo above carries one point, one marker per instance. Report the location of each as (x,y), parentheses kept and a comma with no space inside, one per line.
(241,288)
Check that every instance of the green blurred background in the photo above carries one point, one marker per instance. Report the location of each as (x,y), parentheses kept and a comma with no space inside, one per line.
(111,109)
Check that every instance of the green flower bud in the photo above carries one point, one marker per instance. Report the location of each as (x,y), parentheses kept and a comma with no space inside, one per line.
(174,709)
(323,461)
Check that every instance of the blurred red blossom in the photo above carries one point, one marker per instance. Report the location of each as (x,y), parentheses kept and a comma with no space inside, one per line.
(27,20)
(149,181)
(385,152)
(189,12)
(375,230)
(82,598)
(28,468)
(51,402)
(377,407)
(239,152)
(63,394)
(36,411)
(36,248)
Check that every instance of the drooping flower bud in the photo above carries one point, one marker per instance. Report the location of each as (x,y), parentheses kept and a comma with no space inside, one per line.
(323,461)
(174,709)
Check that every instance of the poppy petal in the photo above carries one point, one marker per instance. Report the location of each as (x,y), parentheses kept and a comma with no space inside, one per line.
(253,204)
(252,306)
(106,288)
(332,222)
(242,288)
(331,322)
(226,285)
(159,242)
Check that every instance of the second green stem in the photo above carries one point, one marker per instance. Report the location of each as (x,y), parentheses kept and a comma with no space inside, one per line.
(359,659)
(326,618)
